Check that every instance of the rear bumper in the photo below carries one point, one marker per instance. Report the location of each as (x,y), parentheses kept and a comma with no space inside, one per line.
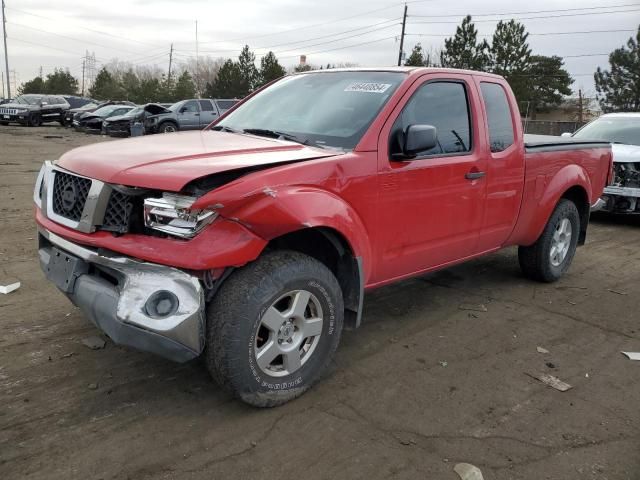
(117,295)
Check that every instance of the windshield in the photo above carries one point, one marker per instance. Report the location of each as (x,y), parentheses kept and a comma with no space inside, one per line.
(89,106)
(612,129)
(134,112)
(28,99)
(102,111)
(175,106)
(323,109)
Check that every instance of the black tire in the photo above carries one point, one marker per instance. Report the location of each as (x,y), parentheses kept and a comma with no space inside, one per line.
(535,260)
(235,327)
(35,120)
(167,127)
(4,123)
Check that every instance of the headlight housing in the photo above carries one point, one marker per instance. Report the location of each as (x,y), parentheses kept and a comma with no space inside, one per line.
(22,110)
(172,214)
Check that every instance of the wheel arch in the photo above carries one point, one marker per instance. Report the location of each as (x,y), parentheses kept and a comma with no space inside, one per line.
(578,195)
(331,248)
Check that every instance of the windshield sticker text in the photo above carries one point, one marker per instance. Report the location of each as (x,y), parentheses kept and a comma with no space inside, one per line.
(367,87)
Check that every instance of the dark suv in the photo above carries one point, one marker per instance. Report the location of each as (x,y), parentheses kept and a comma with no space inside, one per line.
(33,110)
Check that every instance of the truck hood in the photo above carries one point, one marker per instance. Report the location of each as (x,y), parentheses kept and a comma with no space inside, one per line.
(625,153)
(170,161)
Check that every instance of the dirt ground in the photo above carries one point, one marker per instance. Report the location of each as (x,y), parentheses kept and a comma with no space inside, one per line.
(421,386)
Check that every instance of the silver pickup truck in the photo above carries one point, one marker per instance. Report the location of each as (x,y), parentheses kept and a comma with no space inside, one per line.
(192,114)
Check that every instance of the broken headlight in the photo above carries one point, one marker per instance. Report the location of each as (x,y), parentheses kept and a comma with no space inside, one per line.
(172,214)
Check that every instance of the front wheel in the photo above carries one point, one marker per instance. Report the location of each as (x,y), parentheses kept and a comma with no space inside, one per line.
(35,120)
(167,127)
(273,328)
(550,257)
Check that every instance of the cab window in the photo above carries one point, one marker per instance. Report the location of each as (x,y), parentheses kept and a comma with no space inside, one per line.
(443,105)
(498,116)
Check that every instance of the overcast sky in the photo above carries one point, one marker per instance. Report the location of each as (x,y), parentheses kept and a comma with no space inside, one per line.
(56,34)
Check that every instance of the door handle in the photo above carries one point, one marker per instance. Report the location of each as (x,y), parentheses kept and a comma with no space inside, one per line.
(474,175)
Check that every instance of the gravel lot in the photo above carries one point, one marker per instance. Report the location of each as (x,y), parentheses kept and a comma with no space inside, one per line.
(421,386)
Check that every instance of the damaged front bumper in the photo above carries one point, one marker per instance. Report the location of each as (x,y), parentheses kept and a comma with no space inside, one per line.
(147,306)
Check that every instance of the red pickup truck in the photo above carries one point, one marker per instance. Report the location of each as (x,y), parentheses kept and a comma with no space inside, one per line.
(254,240)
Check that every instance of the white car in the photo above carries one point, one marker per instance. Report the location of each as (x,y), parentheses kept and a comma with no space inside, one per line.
(623,131)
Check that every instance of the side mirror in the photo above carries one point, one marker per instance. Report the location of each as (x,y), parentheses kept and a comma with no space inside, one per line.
(419,138)
(566,134)
(183,109)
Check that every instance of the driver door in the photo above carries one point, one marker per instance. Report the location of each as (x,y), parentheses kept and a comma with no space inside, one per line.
(189,116)
(431,206)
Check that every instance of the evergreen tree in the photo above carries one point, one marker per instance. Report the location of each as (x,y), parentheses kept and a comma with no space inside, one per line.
(130,85)
(249,75)
(547,82)
(511,55)
(184,87)
(105,87)
(416,59)
(61,82)
(463,49)
(35,85)
(270,69)
(619,89)
(227,83)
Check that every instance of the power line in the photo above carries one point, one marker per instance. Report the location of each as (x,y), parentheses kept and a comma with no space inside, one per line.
(530,34)
(328,41)
(84,28)
(70,38)
(310,39)
(526,18)
(305,27)
(529,12)
(345,47)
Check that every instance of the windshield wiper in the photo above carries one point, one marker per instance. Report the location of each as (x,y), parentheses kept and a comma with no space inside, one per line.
(222,128)
(263,132)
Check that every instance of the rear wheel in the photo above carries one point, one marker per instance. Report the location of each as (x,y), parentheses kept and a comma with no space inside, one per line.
(167,127)
(273,328)
(4,123)
(550,257)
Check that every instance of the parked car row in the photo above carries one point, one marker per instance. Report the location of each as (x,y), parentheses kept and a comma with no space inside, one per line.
(114,118)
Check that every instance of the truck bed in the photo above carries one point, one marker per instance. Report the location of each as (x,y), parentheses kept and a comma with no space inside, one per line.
(545,143)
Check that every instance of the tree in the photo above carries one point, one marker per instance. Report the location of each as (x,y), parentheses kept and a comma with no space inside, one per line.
(130,84)
(105,86)
(416,59)
(463,50)
(511,56)
(547,83)
(61,82)
(203,71)
(270,69)
(184,87)
(619,89)
(249,75)
(227,83)
(35,85)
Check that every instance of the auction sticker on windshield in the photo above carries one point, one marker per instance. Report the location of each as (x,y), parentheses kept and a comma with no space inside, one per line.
(367,87)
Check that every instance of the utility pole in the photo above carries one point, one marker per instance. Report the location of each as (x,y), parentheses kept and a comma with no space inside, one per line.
(6,55)
(84,60)
(40,71)
(197,64)
(404,23)
(170,60)
(580,107)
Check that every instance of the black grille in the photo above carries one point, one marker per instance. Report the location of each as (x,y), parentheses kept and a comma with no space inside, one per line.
(118,212)
(70,195)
